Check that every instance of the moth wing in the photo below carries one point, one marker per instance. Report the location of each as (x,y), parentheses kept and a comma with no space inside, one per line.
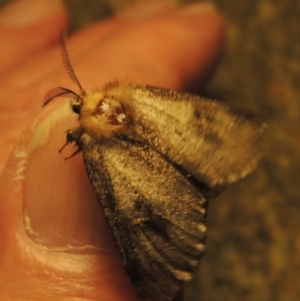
(157,216)
(214,143)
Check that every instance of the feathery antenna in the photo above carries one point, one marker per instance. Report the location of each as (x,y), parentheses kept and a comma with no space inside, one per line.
(66,60)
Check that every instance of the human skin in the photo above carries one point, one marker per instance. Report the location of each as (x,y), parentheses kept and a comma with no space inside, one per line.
(55,243)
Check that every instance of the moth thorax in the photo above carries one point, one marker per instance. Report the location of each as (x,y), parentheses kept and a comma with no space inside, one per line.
(113,110)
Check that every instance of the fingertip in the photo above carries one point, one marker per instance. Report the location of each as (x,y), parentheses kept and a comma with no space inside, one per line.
(34,25)
(58,198)
(17,13)
(52,221)
(174,49)
(208,24)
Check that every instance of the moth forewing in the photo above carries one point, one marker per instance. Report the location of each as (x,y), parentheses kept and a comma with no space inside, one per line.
(214,143)
(156,214)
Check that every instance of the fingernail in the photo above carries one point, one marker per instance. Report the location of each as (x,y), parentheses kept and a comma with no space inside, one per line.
(197,8)
(60,207)
(147,8)
(28,12)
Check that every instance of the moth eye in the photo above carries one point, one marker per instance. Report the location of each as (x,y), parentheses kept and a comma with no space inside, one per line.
(76,105)
(76,108)
(113,110)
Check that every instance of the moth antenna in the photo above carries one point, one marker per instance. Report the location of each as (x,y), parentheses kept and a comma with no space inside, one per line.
(57,92)
(66,61)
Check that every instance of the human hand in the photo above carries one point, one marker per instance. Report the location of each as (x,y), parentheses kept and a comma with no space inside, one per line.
(55,243)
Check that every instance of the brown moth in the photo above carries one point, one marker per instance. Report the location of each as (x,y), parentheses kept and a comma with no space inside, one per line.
(154,158)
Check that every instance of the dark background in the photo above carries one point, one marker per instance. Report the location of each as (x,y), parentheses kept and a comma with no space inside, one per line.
(253,246)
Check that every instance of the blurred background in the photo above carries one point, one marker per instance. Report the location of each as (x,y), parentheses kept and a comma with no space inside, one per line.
(253,245)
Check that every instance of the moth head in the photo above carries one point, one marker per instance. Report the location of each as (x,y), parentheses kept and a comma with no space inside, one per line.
(103,113)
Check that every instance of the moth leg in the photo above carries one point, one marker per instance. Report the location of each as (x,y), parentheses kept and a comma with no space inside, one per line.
(73,135)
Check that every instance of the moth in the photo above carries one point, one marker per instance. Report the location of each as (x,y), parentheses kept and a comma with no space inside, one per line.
(154,158)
